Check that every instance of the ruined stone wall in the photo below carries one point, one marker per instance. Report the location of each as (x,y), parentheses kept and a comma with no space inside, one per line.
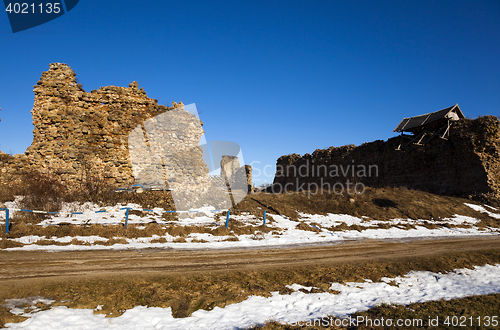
(236,177)
(466,164)
(165,153)
(79,134)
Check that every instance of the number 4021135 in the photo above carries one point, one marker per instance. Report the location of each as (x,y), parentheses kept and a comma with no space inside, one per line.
(26,8)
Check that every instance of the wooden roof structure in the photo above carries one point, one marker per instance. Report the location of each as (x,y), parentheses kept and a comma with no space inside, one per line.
(416,123)
(428,126)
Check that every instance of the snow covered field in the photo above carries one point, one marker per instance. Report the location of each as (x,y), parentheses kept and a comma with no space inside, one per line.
(329,228)
(415,286)
(300,306)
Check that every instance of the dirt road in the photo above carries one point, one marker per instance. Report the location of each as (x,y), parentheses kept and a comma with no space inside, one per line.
(21,266)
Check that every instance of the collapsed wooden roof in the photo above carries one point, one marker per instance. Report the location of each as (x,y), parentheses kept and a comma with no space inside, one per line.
(411,123)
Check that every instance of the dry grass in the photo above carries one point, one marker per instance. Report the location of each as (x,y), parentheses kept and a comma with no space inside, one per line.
(375,204)
(5,244)
(345,227)
(305,226)
(379,204)
(6,194)
(45,192)
(22,228)
(205,290)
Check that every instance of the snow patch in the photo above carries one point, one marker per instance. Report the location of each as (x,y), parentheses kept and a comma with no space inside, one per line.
(482,209)
(416,286)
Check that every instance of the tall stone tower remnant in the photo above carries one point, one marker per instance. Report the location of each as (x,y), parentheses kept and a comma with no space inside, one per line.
(109,133)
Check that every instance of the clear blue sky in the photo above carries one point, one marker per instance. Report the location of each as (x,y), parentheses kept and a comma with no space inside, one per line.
(277,77)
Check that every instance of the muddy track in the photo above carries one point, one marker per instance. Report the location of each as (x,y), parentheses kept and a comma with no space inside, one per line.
(16,267)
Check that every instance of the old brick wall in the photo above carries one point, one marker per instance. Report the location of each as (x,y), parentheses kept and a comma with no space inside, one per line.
(466,164)
(78,133)
(165,153)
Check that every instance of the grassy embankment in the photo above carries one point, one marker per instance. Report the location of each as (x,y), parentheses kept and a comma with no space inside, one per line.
(375,204)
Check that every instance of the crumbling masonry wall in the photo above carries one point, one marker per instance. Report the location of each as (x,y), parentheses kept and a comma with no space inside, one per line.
(78,134)
(468,164)
(234,176)
(165,153)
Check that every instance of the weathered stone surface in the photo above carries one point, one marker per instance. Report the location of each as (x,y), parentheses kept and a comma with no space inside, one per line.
(234,176)
(229,165)
(468,164)
(165,150)
(77,133)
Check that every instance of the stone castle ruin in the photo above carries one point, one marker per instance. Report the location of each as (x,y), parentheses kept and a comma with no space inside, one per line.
(452,156)
(122,137)
(236,178)
(116,134)
(165,154)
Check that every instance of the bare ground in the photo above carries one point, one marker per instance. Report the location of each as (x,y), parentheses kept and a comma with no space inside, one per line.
(190,280)
(21,268)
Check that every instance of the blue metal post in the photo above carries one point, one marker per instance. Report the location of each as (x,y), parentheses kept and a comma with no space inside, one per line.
(227,219)
(126,218)
(7,221)
(264,217)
